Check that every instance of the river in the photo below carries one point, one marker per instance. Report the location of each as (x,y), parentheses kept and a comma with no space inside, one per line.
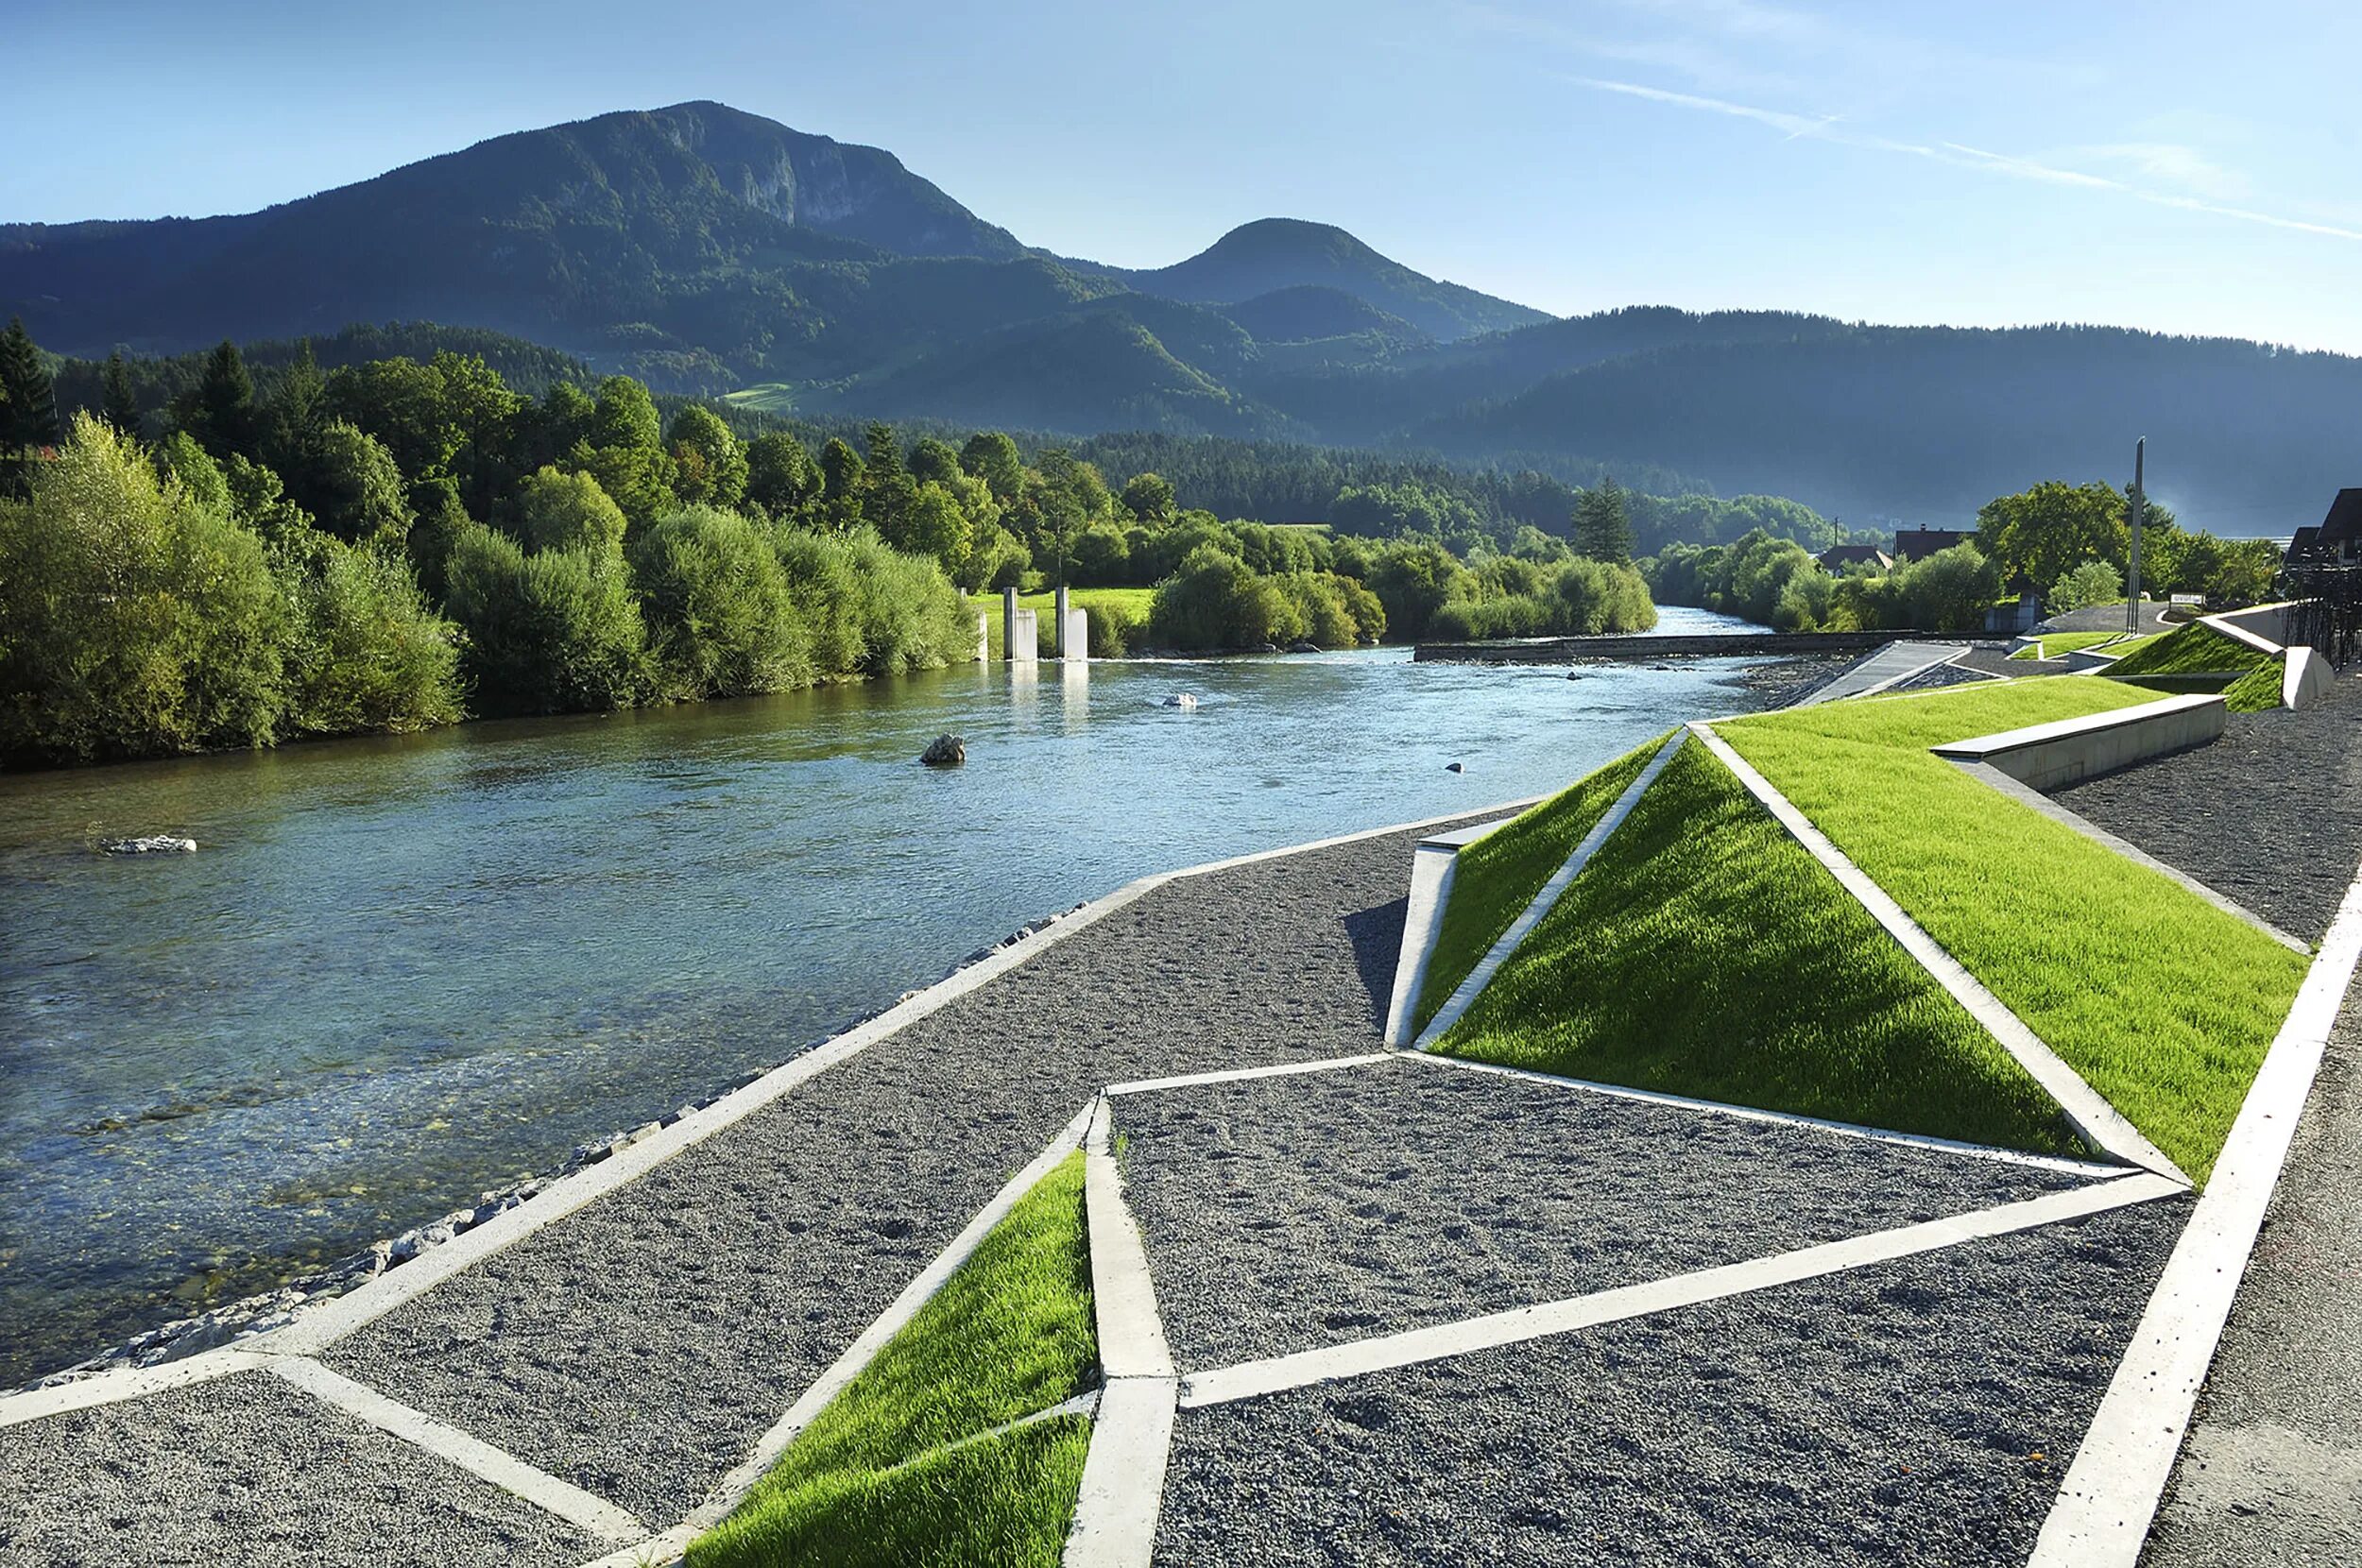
(400,971)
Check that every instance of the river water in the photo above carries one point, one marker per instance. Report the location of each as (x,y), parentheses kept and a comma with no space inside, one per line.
(401,971)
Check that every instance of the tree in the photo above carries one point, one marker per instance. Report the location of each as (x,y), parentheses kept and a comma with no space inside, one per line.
(2093,583)
(841,470)
(1148,497)
(2049,530)
(118,404)
(555,631)
(711,465)
(556,510)
(28,403)
(355,489)
(1602,525)
(219,410)
(720,619)
(992,457)
(780,477)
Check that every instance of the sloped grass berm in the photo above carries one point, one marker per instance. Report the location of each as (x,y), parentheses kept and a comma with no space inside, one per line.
(1496,877)
(2195,649)
(2259,689)
(1704,953)
(908,1466)
(2164,1003)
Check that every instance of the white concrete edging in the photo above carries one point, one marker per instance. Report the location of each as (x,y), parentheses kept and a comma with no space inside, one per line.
(2112,1490)
(2091,1113)
(2305,677)
(2049,756)
(1123,1475)
(122,1383)
(1235,1074)
(1388,1352)
(1123,1296)
(1464,995)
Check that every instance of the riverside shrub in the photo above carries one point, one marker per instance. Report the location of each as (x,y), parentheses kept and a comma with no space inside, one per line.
(549,632)
(721,622)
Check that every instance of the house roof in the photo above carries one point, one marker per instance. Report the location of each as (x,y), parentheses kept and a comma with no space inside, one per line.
(1846,554)
(1911,544)
(2344,520)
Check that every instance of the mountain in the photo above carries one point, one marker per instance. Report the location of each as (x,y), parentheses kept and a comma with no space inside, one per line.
(710,251)
(1283,253)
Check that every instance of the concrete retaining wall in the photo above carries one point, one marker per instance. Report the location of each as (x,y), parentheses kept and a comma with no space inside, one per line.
(1566,650)
(1432,864)
(2049,757)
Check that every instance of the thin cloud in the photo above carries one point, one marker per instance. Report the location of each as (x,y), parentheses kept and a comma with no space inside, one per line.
(1826,129)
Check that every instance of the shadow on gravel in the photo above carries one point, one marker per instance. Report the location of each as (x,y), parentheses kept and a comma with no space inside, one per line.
(1377,937)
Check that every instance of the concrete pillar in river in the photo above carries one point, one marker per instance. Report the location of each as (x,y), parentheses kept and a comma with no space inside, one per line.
(1008,624)
(1074,635)
(1058,606)
(1023,631)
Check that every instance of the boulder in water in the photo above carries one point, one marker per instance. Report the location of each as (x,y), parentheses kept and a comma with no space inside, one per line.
(1455,767)
(154,844)
(1180,699)
(945,751)
(1305,646)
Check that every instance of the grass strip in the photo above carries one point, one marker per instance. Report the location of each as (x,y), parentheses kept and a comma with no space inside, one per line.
(895,1456)
(2195,649)
(2258,689)
(1496,877)
(2060,644)
(2164,1003)
(1124,607)
(1705,952)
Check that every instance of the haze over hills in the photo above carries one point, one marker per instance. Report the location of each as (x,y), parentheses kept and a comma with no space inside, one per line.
(708,249)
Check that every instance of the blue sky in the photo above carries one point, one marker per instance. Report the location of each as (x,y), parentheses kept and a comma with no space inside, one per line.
(2179,166)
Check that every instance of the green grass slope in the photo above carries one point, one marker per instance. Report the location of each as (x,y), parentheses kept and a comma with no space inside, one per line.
(1704,953)
(2195,649)
(2258,689)
(1496,877)
(905,1466)
(2163,1003)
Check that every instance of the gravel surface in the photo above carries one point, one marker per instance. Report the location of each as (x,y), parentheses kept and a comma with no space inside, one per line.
(249,1469)
(1283,1214)
(2270,814)
(2271,1473)
(639,1347)
(1882,1416)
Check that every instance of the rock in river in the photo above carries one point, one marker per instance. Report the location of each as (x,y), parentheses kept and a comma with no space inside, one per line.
(945,751)
(156,843)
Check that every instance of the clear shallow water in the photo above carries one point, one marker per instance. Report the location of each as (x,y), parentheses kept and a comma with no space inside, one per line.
(401,971)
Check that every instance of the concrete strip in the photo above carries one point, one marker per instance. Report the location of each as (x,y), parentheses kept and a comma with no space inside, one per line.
(1277,1069)
(1124,1297)
(2034,800)
(1481,976)
(1331,1362)
(2111,1491)
(593,1516)
(767,1452)
(1781,1119)
(2249,626)
(111,1388)
(2092,1115)
(1124,1476)
(331,1320)
(2049,755)
(656,1551)
(1432,867)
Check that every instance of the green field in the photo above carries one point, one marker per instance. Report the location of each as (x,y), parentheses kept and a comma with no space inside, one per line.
(2164,1003)
(1496,877)
(771,397)
(1704,953)
(908,1466)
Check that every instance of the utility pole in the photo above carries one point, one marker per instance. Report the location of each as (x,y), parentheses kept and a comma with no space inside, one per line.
(2133,577)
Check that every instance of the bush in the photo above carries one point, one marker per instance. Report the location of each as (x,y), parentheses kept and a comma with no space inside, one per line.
(368,654)
(2093,583)
(871,610)
(721,622)
(1216,603)
(552,632)
(136,619)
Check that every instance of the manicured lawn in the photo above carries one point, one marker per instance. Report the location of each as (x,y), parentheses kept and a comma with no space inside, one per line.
(1128,606)
(897,1469)
(2059,644)
(2192,649)
(2164,1003)
(1497,876)
(1704,953)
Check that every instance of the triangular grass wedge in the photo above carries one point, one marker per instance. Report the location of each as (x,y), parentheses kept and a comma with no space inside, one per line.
(907,1465)
(1704,953)
(2162,1002)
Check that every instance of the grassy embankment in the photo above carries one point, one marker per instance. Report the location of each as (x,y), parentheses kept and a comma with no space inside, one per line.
(1496,877)
(2164,1003)
(1124,607)
(1704,953)
(906,1466)
(2060,644)
(2198,657)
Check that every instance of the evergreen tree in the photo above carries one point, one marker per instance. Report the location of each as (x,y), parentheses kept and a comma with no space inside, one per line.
(118,404)
(28,403)
(1603,524)
(219,410)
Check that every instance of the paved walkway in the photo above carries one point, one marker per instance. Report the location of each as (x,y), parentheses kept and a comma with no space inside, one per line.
(1889,666)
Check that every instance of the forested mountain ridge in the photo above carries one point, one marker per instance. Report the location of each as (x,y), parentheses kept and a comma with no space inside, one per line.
(709,251)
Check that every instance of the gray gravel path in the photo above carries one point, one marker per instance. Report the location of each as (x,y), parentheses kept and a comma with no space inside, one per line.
(2270,814)
(2271,1474)
(1283,1214)
(639,1347)
(249,1469)
(1883,1415)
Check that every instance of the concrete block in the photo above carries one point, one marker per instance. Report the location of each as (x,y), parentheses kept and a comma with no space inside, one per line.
(2306,678)
(1075,635)
(2049,757)
(1021,647)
